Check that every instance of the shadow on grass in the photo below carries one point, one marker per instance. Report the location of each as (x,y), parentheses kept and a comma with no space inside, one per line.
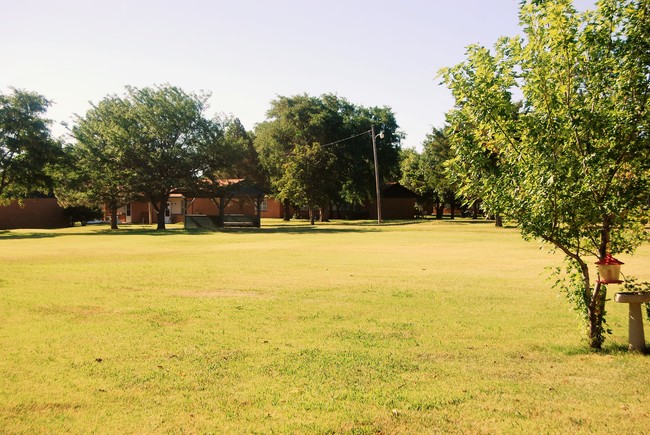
(401,222)
(9,235)
(608,349)
(373,223)
(467,221)
(458,220)
(130,231)
(293,229)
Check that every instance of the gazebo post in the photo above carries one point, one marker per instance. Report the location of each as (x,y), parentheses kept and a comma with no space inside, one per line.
(222,207)
(259,210)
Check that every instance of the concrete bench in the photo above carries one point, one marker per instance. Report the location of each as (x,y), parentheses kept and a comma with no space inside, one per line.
(238,220)
(238,223)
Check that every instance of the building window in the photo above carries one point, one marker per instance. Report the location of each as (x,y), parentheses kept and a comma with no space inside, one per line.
(128,209)
(264,205)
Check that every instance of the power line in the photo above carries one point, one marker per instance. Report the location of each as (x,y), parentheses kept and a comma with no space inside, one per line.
(347,138)
(338,141)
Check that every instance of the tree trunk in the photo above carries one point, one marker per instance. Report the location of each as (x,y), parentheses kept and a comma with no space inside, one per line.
(597,299)
(113,217)
(222,212)
(428,207)
(439,208)
(160,208)
(287,211)
(161,216)
(324,214)
(498,221)
(596,310)
(452,205)
(312,218)
(475,210)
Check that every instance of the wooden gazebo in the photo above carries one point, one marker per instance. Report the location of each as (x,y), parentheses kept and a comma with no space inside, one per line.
(224,203)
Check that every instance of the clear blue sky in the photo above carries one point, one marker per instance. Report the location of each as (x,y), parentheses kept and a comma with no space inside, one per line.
(247,52)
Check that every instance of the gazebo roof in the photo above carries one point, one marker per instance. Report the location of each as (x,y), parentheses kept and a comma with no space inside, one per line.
(239,186)
(230,187)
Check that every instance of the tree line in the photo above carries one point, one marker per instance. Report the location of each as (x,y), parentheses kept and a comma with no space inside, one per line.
(311,152)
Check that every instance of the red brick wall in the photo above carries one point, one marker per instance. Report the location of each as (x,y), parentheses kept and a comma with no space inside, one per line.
(202,206)
(391,208)
(35,213)
(274,209)
(207,207)
(140,213)
(241,206)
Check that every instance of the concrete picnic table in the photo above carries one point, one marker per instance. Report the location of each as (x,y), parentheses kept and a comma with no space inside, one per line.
(635,299)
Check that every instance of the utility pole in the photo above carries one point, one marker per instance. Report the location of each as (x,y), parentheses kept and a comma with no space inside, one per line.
(378,188)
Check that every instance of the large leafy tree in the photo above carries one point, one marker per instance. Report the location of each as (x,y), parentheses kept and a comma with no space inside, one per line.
(427,173)
(169,134)
(27,149)
(412,176)
(242,158)
(356,168)
(95,170)
(574,161)
(303,129)
(155,140)
(229,154)
(476,176)
(294,122)
(308,177)
(435,155)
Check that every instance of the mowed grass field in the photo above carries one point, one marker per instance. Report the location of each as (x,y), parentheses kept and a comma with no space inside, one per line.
(339,328)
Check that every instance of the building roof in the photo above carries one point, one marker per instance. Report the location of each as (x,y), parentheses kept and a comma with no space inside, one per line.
(396,190)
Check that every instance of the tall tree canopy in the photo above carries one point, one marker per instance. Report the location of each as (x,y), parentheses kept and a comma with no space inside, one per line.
(435,156)
(309,177)
(412,176)
(332,133)
(243,161)
(574,161)
(94,173)
(153,141)
(27,148)
(428,174)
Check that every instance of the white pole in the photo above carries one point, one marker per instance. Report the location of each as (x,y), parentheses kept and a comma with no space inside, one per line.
(378,189)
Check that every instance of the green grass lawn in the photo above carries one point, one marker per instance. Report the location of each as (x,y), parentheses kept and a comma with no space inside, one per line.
(338,328)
